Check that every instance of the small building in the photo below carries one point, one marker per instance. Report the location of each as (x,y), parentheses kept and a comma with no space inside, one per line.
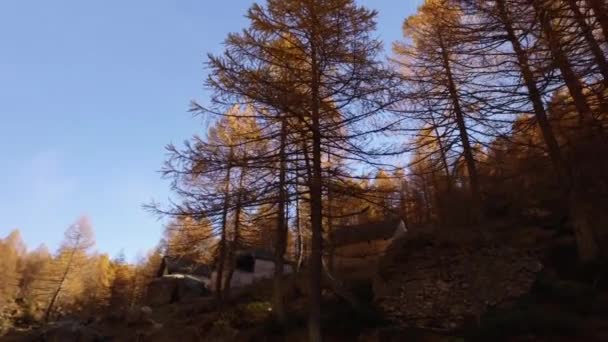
(184,267)
(357,249)
(179,279)
(182,277)
(252,265)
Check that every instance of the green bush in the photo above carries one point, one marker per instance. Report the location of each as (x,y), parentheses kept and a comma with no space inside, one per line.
(221,330)
(255,311)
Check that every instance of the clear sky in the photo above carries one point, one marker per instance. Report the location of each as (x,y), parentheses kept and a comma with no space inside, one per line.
(90,93)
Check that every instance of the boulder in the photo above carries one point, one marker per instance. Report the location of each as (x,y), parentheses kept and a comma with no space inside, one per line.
(442,281)
(166,290)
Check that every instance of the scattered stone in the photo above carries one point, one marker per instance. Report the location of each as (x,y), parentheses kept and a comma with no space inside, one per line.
(440,283)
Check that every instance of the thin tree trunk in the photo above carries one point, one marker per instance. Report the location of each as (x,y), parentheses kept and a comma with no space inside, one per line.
(601,13)
(464,135)
(316,193)
(448,181)
(299,242)
(588,244)
(427,199)
(330,220)
(561,60)
(439,203)
(444,161)
(49,309)
(222,243)
(237,235)
(316,258)
(403,201)
(307,162)
(587,31)
(281,241)
(535,97)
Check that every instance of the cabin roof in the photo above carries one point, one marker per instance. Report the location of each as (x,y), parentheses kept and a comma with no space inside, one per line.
(183,265)
(370,231)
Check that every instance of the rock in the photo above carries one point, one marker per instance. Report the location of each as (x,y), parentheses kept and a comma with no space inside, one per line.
(160,291)
(168,290)
(138,315)
(71,331)
(440,282)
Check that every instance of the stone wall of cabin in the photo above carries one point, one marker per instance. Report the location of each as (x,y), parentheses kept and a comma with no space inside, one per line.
(264,269)
(360,259)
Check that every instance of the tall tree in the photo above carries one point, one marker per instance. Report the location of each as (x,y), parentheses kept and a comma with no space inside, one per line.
(336,84)
(78,239)
(12,252)
(430,56)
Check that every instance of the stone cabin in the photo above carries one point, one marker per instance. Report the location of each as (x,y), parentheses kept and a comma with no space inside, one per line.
(253,265)
(182,278)
(184,267)
(358,248)
(179,279)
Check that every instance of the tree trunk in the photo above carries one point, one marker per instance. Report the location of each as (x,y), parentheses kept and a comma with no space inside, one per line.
(49,309)
(316,194)
(561,60)
(601,13)
(281,241)
(588,245)
(444,161)
(427,199)
(403,195)
(441,201)
(299,241)
(330,220)
(464,135)
(587,31)
(316,258)
(535,97)
(237,235)
(222,243)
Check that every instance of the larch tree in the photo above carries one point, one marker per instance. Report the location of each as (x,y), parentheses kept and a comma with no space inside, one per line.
(213,177)
(337,83)
(120,290)
(189,237)
(36,264)
(78,239)
(12,252)
(97,278)
(432,56)
(534,49)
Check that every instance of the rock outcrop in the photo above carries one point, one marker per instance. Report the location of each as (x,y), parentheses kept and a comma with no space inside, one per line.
(442,281)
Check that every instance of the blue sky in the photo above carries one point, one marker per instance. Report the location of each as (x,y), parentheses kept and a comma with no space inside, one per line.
(91,92)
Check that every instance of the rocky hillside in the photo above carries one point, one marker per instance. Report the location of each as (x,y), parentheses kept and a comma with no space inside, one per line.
(498,283)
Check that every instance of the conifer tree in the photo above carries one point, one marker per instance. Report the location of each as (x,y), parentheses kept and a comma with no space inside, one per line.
(78,239)
(336,84)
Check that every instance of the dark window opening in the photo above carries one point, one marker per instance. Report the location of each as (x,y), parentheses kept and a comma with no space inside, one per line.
(245,263)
